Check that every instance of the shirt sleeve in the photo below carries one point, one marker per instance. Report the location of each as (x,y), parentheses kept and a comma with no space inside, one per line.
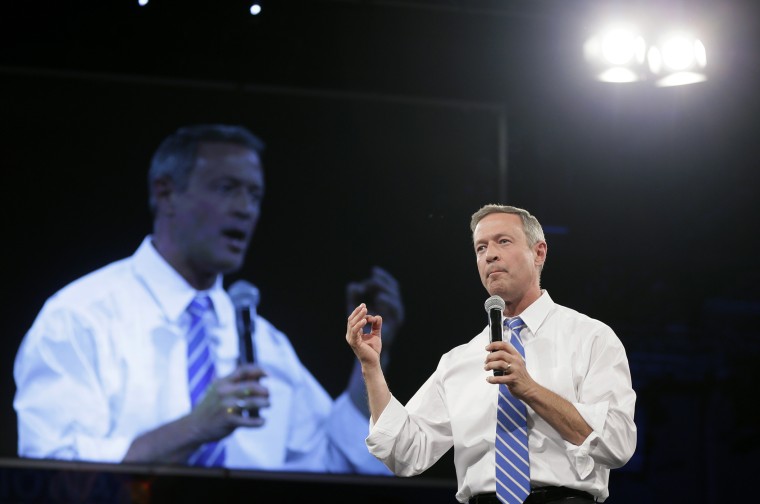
(56,381)
(607,401)
(410,439)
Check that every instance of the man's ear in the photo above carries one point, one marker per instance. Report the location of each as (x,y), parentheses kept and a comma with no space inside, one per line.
(540,249)
(163,192)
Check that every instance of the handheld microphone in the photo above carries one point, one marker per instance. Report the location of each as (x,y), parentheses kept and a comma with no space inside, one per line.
(495,308)
(245,299)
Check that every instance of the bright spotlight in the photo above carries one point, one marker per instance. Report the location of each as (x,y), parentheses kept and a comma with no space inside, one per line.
(618,53)
(142,3)
(681,79)
(678,52)
(618,74)
(255,9)
(621,53)
(678,59)
(621,46)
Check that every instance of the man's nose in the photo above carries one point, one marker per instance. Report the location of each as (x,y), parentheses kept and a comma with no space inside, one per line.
(492,252)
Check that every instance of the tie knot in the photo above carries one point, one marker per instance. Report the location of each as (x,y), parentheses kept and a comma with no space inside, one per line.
(200,305)
(515,324)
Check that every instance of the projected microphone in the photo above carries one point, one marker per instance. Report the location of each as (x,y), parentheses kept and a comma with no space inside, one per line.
(495,307)
(245,298)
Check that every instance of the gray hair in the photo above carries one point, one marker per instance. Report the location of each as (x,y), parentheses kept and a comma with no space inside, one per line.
(176,155)
(532,228)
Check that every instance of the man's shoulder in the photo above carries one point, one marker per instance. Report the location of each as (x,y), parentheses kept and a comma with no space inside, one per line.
(86,302)
(573,318)
(474,346)
(95,284)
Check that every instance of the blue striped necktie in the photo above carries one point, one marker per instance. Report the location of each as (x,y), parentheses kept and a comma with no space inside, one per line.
(200,374)
(512,460)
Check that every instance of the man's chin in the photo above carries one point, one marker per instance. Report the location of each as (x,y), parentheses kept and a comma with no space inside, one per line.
(230,263)
(496,289)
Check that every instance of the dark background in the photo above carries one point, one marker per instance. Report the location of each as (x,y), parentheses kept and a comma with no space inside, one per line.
(387,125)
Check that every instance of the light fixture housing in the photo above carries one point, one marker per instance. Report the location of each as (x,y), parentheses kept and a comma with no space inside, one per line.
(678,58)
(617,53)
(622,53)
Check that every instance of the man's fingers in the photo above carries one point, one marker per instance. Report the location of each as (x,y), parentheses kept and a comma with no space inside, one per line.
(357,316)
(246,389)
(249,403)
(247,371)
(356,322)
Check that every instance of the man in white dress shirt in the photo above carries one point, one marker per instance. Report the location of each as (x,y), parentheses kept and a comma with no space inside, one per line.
(575,381)
(102,374)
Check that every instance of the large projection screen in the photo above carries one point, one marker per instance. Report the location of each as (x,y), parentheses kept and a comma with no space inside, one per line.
(364,179)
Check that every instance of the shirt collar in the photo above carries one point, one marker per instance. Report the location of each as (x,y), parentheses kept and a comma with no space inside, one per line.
(535,314)
(170,290)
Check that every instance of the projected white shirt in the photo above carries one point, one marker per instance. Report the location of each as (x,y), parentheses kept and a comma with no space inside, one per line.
(105,360)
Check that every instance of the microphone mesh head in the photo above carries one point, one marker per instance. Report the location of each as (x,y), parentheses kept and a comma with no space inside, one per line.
(494,302)
(244,293)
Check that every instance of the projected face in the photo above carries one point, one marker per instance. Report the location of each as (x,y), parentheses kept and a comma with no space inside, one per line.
(215,217)
(506,264)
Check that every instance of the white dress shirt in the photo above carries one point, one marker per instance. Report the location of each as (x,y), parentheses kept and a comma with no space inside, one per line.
(106,360)
(577,357)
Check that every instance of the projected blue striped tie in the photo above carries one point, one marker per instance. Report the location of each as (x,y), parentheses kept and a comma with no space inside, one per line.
(512,460)
(200,374)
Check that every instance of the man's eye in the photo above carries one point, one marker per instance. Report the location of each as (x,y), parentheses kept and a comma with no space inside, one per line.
(256,195)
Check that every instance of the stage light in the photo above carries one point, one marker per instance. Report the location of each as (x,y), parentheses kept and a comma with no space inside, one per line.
(622,46)
(142,3)
(255,9)
(617,53)
(620,53)
(678,59)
